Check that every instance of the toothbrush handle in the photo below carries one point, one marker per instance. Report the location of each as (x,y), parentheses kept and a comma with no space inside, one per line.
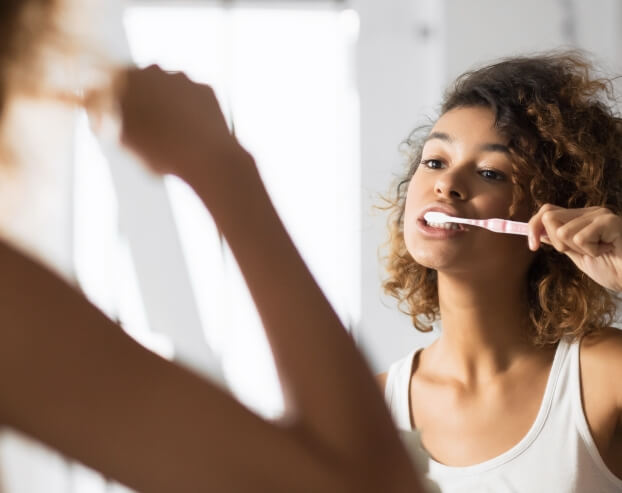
(505,226)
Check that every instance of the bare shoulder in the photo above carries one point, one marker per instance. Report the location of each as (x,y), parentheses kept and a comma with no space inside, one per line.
(603,347)
(601,386)
(601,361)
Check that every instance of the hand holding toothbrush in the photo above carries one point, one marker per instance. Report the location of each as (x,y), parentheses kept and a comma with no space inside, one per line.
(591,237)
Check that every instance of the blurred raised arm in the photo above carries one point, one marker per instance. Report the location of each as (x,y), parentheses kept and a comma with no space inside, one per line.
(177,127)
(71,378)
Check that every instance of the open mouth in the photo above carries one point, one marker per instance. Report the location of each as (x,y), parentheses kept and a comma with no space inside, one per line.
(448,226)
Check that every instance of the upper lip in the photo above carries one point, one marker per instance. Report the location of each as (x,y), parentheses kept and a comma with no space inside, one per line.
(450,211)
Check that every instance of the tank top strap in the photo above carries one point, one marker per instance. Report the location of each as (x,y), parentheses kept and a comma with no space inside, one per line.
(560,378)
(397,388)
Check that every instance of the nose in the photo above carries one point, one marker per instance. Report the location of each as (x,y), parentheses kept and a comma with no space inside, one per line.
(450,185)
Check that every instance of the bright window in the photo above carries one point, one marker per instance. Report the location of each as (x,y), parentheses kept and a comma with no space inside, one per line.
(285,79)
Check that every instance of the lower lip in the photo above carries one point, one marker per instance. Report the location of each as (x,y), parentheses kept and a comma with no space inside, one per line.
(438,233)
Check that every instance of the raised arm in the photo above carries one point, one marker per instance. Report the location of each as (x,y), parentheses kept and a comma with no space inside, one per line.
(329,390)
(71,378)
(74,380)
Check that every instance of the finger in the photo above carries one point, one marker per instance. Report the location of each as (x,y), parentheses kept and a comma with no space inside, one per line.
(556,217)
(551,223)
(611,227)
(536,227)
(580,234)
(585,230)
(545,217)
(604,248)
(599,234)
(554,221)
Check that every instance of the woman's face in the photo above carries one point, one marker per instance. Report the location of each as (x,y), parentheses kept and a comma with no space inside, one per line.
(465,171)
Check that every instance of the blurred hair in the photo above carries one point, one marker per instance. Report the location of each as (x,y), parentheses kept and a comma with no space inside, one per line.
(565,140)
(49,50)
(25,27)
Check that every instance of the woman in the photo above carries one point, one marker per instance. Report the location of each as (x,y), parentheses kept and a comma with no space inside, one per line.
(522,390)
(70,378)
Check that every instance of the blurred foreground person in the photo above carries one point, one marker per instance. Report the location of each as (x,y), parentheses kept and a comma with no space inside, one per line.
(72,379)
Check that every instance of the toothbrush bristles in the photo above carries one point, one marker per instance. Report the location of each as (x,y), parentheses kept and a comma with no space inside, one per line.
(436,217)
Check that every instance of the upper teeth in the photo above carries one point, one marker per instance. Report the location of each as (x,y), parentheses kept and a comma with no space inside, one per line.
(444,225)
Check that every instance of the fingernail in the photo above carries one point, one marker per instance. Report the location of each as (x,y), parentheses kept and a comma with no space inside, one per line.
(532,242)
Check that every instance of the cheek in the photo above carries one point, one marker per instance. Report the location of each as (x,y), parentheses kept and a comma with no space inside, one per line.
(414,197)
(494,205)
(411,209)
(422,251)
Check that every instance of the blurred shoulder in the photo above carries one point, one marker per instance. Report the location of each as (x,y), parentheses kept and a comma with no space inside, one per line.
(11,256)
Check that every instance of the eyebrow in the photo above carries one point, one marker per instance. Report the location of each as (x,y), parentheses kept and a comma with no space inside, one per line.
(489,147)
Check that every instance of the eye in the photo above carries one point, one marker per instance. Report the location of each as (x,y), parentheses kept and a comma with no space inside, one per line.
(492,175)
(432,163)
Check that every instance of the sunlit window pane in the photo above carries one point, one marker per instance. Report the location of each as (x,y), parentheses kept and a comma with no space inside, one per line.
(284,80)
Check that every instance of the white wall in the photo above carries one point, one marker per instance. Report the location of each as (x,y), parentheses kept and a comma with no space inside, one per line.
(397,79)
(482,30)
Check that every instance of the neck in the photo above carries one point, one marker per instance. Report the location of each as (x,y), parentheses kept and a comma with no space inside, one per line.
(485,325)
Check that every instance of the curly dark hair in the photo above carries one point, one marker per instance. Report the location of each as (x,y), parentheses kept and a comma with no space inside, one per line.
(565,141)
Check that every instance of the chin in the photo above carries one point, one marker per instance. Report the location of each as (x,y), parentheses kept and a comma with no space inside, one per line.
(437,259)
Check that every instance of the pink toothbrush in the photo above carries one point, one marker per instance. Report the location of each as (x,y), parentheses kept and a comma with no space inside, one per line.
(496,225)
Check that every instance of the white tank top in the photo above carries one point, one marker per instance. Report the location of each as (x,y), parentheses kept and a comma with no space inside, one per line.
(558,453)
